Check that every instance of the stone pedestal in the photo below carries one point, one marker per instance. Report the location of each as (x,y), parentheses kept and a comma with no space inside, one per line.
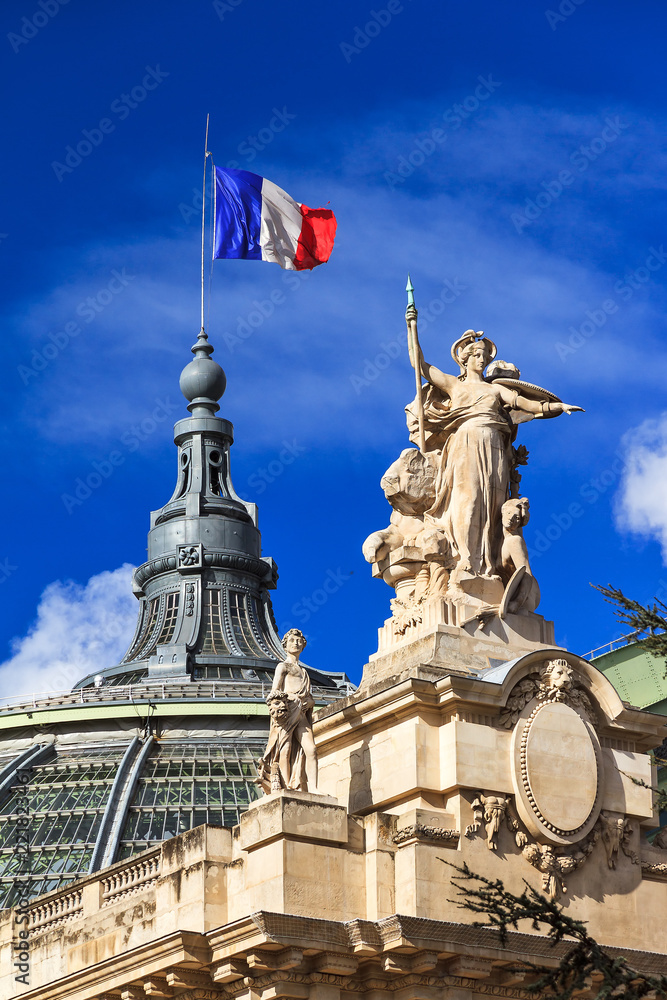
(297,855)
(450,638)
(304,816)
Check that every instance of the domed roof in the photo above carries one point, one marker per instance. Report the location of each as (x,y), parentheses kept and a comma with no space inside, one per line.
(109,771)
(165,740)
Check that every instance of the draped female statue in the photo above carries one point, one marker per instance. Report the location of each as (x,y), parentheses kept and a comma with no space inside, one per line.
(290,758)
(470,422)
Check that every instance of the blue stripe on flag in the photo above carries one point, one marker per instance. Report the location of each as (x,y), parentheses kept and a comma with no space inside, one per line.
(238,214)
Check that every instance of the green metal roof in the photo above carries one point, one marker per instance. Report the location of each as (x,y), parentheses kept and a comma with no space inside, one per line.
(638,676)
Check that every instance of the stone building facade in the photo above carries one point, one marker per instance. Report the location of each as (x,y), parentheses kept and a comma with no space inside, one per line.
(471,739)
(526,770)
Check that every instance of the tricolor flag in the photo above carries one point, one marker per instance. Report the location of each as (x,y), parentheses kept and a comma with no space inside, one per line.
(257,220)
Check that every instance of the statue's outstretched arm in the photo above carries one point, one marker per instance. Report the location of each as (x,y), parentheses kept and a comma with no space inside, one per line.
(441,380)
(519,402)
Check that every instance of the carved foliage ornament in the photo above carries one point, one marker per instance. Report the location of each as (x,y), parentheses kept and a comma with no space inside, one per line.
(554,682)
(553,863)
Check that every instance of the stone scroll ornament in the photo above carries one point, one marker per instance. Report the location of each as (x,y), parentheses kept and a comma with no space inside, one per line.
(290,758)
(546,704)
(457,520)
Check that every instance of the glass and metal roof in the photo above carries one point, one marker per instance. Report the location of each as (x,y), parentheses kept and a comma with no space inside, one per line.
(165,740)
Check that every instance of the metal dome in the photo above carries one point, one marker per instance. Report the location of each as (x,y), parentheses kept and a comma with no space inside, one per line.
(165,740)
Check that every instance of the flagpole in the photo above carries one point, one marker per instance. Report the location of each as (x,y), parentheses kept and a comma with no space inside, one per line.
(203,220)
(411,320)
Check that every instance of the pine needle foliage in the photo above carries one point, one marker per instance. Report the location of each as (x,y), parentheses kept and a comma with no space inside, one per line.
(649,621)
(586,966)
(649,625)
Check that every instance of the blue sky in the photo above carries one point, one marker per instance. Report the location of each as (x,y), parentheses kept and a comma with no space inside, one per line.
(510,156)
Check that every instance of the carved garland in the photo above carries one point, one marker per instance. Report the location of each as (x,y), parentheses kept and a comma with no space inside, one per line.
(533,686)
(554,865)
(417,831)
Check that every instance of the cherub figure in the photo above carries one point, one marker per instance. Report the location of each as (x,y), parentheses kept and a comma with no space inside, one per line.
(408,485)
(524,592)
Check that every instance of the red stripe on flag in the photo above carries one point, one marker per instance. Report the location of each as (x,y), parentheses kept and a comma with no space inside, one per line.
(316,241)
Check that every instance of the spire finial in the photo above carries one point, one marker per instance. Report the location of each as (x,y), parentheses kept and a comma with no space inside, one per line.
(203,381)
(202,348)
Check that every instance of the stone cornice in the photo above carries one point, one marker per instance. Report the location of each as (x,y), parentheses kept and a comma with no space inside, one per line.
(115,972)
(402,934)
(401,697)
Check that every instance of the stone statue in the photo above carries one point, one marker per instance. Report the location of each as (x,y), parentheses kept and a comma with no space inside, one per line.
(409,554)
(465,426)
(522,593)
(290,758)
(473,433)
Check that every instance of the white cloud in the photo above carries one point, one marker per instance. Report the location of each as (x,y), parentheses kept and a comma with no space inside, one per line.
(642,498)
(78,630)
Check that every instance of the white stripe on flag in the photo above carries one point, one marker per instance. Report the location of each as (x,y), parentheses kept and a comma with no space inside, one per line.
(280,226)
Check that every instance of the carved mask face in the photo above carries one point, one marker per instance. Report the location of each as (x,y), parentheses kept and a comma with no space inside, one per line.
(278,709)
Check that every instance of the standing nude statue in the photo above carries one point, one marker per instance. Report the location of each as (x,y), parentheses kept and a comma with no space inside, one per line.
(290,758)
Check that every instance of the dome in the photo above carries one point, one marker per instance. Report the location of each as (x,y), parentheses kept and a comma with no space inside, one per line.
(109,771)
(165,740)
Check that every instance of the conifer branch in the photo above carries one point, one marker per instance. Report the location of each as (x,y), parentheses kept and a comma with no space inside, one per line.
(649,622)
(586,966)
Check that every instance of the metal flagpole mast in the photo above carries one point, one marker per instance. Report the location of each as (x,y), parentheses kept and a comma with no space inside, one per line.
(203,220)
(413,342)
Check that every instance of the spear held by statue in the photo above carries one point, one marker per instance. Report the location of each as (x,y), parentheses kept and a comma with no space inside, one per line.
(414,352)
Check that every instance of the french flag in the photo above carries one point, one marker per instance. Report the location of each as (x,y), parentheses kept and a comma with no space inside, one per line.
(257,220)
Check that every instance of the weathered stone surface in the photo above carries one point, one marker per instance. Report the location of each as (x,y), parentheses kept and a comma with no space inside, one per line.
(456,527)
(302,898)
(561,767)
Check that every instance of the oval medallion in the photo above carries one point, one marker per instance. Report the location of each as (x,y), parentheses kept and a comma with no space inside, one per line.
(560,770)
